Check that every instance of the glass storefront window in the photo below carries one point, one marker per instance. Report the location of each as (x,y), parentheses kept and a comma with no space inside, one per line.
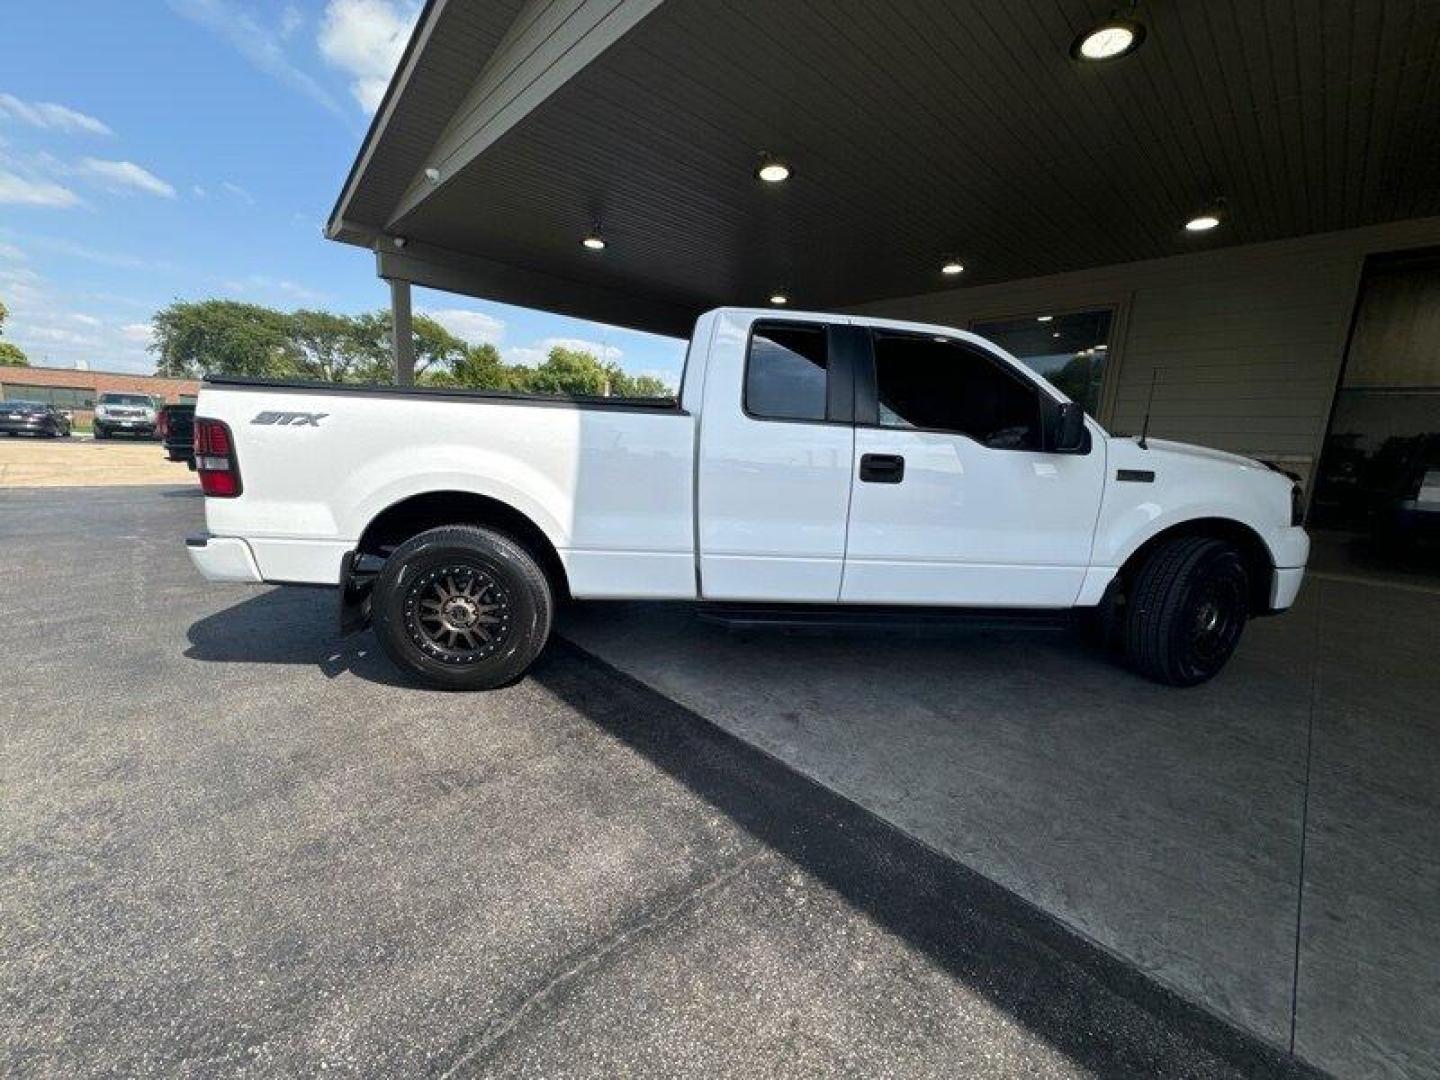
(1070,349)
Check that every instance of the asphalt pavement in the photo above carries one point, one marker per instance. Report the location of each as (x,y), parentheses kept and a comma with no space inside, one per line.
(234,842)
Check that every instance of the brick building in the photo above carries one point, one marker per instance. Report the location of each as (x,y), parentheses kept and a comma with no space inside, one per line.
(66,388)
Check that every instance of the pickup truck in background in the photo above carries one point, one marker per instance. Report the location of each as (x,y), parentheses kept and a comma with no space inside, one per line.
(815,462)
(175,424)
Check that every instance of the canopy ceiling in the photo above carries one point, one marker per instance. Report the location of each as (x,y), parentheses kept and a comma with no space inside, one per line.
(917,130)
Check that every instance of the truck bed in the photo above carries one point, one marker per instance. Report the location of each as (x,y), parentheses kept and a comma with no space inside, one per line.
(608,481)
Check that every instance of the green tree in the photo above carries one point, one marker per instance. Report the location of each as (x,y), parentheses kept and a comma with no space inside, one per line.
(328,347)
(572,371)
(640,386)
(436,349)
(224,337)
(481,368)
(11,355)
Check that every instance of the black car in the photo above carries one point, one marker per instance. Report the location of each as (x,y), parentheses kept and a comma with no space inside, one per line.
(32,418)
(176,424)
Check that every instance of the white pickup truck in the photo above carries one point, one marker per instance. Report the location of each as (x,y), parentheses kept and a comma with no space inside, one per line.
(813,462)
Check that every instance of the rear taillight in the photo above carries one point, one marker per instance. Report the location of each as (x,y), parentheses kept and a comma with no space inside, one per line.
(215,459)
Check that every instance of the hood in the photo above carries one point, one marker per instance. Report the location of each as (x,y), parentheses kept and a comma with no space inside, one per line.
(1203,453)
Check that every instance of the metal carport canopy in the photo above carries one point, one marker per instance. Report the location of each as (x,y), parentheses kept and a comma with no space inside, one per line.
(917,131)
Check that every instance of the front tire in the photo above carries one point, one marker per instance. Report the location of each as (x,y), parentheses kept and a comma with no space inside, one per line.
(462,608)
(1186,610)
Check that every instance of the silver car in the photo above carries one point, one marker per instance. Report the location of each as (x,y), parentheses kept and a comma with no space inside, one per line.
(128,414)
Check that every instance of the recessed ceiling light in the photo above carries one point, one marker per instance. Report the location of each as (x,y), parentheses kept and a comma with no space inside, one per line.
(1043,318)
(772,170)
(953,267)
(1203,222)
(1110,40)
(779,298)
(1055,334)
(432,174)
(593,240)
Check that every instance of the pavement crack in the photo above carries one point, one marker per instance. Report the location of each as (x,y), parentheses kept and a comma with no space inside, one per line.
(670,913)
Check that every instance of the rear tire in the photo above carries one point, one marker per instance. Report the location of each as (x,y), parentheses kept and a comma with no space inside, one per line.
(1186,610)
(462,608)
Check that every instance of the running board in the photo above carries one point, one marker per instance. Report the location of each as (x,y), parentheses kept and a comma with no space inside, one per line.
(859,616)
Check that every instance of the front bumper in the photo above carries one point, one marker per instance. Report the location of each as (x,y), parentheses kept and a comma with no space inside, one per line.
(222,558)
(129,427)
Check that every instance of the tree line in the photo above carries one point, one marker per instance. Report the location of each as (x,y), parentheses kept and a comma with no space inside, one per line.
(226,337)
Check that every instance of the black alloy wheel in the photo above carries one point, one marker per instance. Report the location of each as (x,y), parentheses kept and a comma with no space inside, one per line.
(462,608)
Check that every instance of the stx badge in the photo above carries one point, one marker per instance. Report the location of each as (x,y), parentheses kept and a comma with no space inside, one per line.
(292,419)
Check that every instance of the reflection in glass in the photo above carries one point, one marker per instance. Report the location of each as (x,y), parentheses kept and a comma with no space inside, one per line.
(1069,350)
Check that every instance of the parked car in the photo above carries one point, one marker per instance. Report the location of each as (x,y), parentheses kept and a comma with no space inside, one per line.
(132,414)
(176,424)
(1405,478)
(812,463)
(32,418)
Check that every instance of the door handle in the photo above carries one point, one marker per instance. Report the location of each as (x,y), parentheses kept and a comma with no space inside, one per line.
(882,468)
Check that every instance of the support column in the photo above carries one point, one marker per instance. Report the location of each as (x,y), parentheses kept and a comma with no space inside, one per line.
(404,343)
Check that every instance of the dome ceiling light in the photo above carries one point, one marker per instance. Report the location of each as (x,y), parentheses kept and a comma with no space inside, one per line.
(1108,40)
(1210,217)
(779,299)
(952,267)
(772,170)
(593,240)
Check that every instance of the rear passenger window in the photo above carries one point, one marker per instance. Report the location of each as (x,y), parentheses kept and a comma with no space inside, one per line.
(943,385)
(785,372)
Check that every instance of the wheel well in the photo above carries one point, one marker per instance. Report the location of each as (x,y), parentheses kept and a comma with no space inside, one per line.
(1258,564)
(409,517)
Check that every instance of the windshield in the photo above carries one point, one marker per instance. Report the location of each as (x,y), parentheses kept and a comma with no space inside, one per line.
(23,406)
(127,399)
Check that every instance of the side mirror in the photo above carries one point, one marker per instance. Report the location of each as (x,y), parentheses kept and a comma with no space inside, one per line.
(1069,428)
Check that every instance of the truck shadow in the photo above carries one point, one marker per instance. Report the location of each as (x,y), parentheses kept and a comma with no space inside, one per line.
(291,626)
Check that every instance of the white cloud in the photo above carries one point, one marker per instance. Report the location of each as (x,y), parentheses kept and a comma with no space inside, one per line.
(122,176)
(11,252)
(364,39)
(197,191)
(97,256)
(291,19)
(44,323)
(23,191)
(47,114)
(238,191)
(262,283)
(139,333)
(260,44)
(471,327)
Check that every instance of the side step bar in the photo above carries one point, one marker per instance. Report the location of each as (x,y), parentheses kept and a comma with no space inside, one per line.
(860,616)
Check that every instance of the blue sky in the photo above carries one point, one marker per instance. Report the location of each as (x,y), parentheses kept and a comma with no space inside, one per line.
(155,150)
